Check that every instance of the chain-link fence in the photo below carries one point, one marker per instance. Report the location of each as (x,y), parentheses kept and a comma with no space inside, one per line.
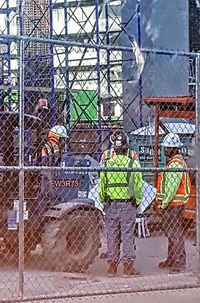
(94,196)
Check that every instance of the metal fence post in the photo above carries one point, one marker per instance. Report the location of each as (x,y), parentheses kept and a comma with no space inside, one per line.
(21,172)
(197,143)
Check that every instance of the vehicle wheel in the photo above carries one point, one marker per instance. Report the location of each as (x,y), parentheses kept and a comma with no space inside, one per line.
(72,243)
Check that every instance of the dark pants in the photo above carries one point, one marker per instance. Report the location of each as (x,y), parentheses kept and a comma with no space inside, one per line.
(120,224)
(173,228)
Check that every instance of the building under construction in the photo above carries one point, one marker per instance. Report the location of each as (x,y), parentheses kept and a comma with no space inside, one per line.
(85,68)
(89,87)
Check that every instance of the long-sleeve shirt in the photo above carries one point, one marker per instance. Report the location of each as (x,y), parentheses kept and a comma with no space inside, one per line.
(172,182)
(133,189)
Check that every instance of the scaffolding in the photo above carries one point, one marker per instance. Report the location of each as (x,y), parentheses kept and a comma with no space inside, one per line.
(83,86)
(86,88)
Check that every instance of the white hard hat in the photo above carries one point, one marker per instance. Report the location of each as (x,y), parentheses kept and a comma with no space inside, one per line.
(171,140)
(59,131)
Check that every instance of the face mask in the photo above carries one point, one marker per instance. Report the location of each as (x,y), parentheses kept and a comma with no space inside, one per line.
(118,143)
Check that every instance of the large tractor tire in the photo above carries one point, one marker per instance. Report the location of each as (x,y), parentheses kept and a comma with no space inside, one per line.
(72,243)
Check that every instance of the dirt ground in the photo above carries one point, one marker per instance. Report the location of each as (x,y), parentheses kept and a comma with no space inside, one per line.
(46,285)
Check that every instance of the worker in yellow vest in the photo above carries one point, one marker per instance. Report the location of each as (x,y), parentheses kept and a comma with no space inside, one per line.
(120,192)
(109,153)
(173,190)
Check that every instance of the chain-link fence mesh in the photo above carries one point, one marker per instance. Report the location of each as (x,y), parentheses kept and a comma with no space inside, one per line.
(93,195)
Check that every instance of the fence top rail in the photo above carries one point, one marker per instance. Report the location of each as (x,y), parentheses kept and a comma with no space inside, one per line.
(66,43)
(95,169)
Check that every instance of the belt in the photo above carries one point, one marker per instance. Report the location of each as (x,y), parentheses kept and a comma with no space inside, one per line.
(110,201)
(121,200)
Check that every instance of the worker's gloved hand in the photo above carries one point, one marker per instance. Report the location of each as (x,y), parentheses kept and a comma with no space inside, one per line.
(106,204)
(163,205)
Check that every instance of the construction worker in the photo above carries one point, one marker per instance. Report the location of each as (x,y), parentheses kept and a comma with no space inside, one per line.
(52,149)
(52,152)
(173,190)
(109,153)
(120,192)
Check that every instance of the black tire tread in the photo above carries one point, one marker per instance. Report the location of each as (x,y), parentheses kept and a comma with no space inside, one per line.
(52,232)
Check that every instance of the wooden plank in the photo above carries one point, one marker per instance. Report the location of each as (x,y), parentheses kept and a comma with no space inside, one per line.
(184,100)
(177,114)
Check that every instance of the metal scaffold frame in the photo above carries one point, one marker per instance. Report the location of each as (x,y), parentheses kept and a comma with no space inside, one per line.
(67,69)
(81,61)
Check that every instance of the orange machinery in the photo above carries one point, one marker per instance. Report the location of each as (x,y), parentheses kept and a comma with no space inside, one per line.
(172,107)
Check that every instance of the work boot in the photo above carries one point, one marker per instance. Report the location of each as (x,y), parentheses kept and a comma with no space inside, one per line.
(129,270)
(112,269)
(165,264)
(177,269)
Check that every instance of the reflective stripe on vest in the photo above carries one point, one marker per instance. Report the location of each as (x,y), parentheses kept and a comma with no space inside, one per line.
(115,185)
(50,149)
(110,153)
(184,189)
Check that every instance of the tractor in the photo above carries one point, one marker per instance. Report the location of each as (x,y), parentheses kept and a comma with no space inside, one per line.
(58,214)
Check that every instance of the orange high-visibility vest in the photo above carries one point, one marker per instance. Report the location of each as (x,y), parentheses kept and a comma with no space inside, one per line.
(51,147)
(183,192)
(110,153)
